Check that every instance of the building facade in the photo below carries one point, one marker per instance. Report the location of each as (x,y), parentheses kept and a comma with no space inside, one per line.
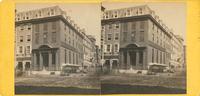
(23,46)
(56,42)
(134,38)
(177,61)
(88,49)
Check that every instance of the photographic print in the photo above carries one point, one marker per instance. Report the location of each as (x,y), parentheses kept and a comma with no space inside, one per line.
(55,48)
(143,48)
(100,48)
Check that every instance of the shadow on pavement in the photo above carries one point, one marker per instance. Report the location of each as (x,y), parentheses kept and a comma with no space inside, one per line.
(138,89)
(53,90)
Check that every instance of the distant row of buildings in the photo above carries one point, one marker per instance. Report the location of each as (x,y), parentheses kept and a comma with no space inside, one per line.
(48,40)
(136,38)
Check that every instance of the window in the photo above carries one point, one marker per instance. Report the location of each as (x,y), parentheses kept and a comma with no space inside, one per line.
(29,27)
(116,36)
(37,28)
(27,17)
(53,25)
(103,28)
(116,47)
(28,48)
(128,12)
(21,38)
(28,37)
(110,26)
(137,12)
(141,35)
(36,15)
(106,15)
(124,36)
(37,38)
(45,26)
(20,49)
(133,36)
(54,37)
(22,27)
(142,23)
(133,25)
(45,36)
(108,48)
(20,66)
(109,37)
(40,13)
(140,9)
(52,12)
(116,25)
(27,66)
(115,14)
(125,26)
(153,26)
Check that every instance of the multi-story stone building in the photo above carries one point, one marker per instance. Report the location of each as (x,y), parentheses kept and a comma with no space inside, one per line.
(177,56)
(23,46)
(135,38)
(88,49)
(54,40)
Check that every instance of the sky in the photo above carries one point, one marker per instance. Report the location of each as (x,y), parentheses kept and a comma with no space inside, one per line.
(88,16)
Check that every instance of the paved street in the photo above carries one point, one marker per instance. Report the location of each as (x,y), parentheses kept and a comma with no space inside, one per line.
(137,83)
(165,83)
(42,84)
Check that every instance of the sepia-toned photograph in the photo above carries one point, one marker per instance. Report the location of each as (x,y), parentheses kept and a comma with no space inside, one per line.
(100,48)
(143,48)
(56,48)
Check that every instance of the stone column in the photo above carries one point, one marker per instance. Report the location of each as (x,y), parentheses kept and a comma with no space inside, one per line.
(23,66)
(122,60)
(111,61)
(57,58)
(128,60)
(50,61)
(137,59)
(34,61)
(41,62)
(144,65)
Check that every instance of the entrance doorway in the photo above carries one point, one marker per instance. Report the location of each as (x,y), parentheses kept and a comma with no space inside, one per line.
(27,66)
(132,58)
(20,66)
(45,57)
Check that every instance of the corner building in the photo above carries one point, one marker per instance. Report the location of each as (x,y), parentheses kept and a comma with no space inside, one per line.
(57,41)
(136,38)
